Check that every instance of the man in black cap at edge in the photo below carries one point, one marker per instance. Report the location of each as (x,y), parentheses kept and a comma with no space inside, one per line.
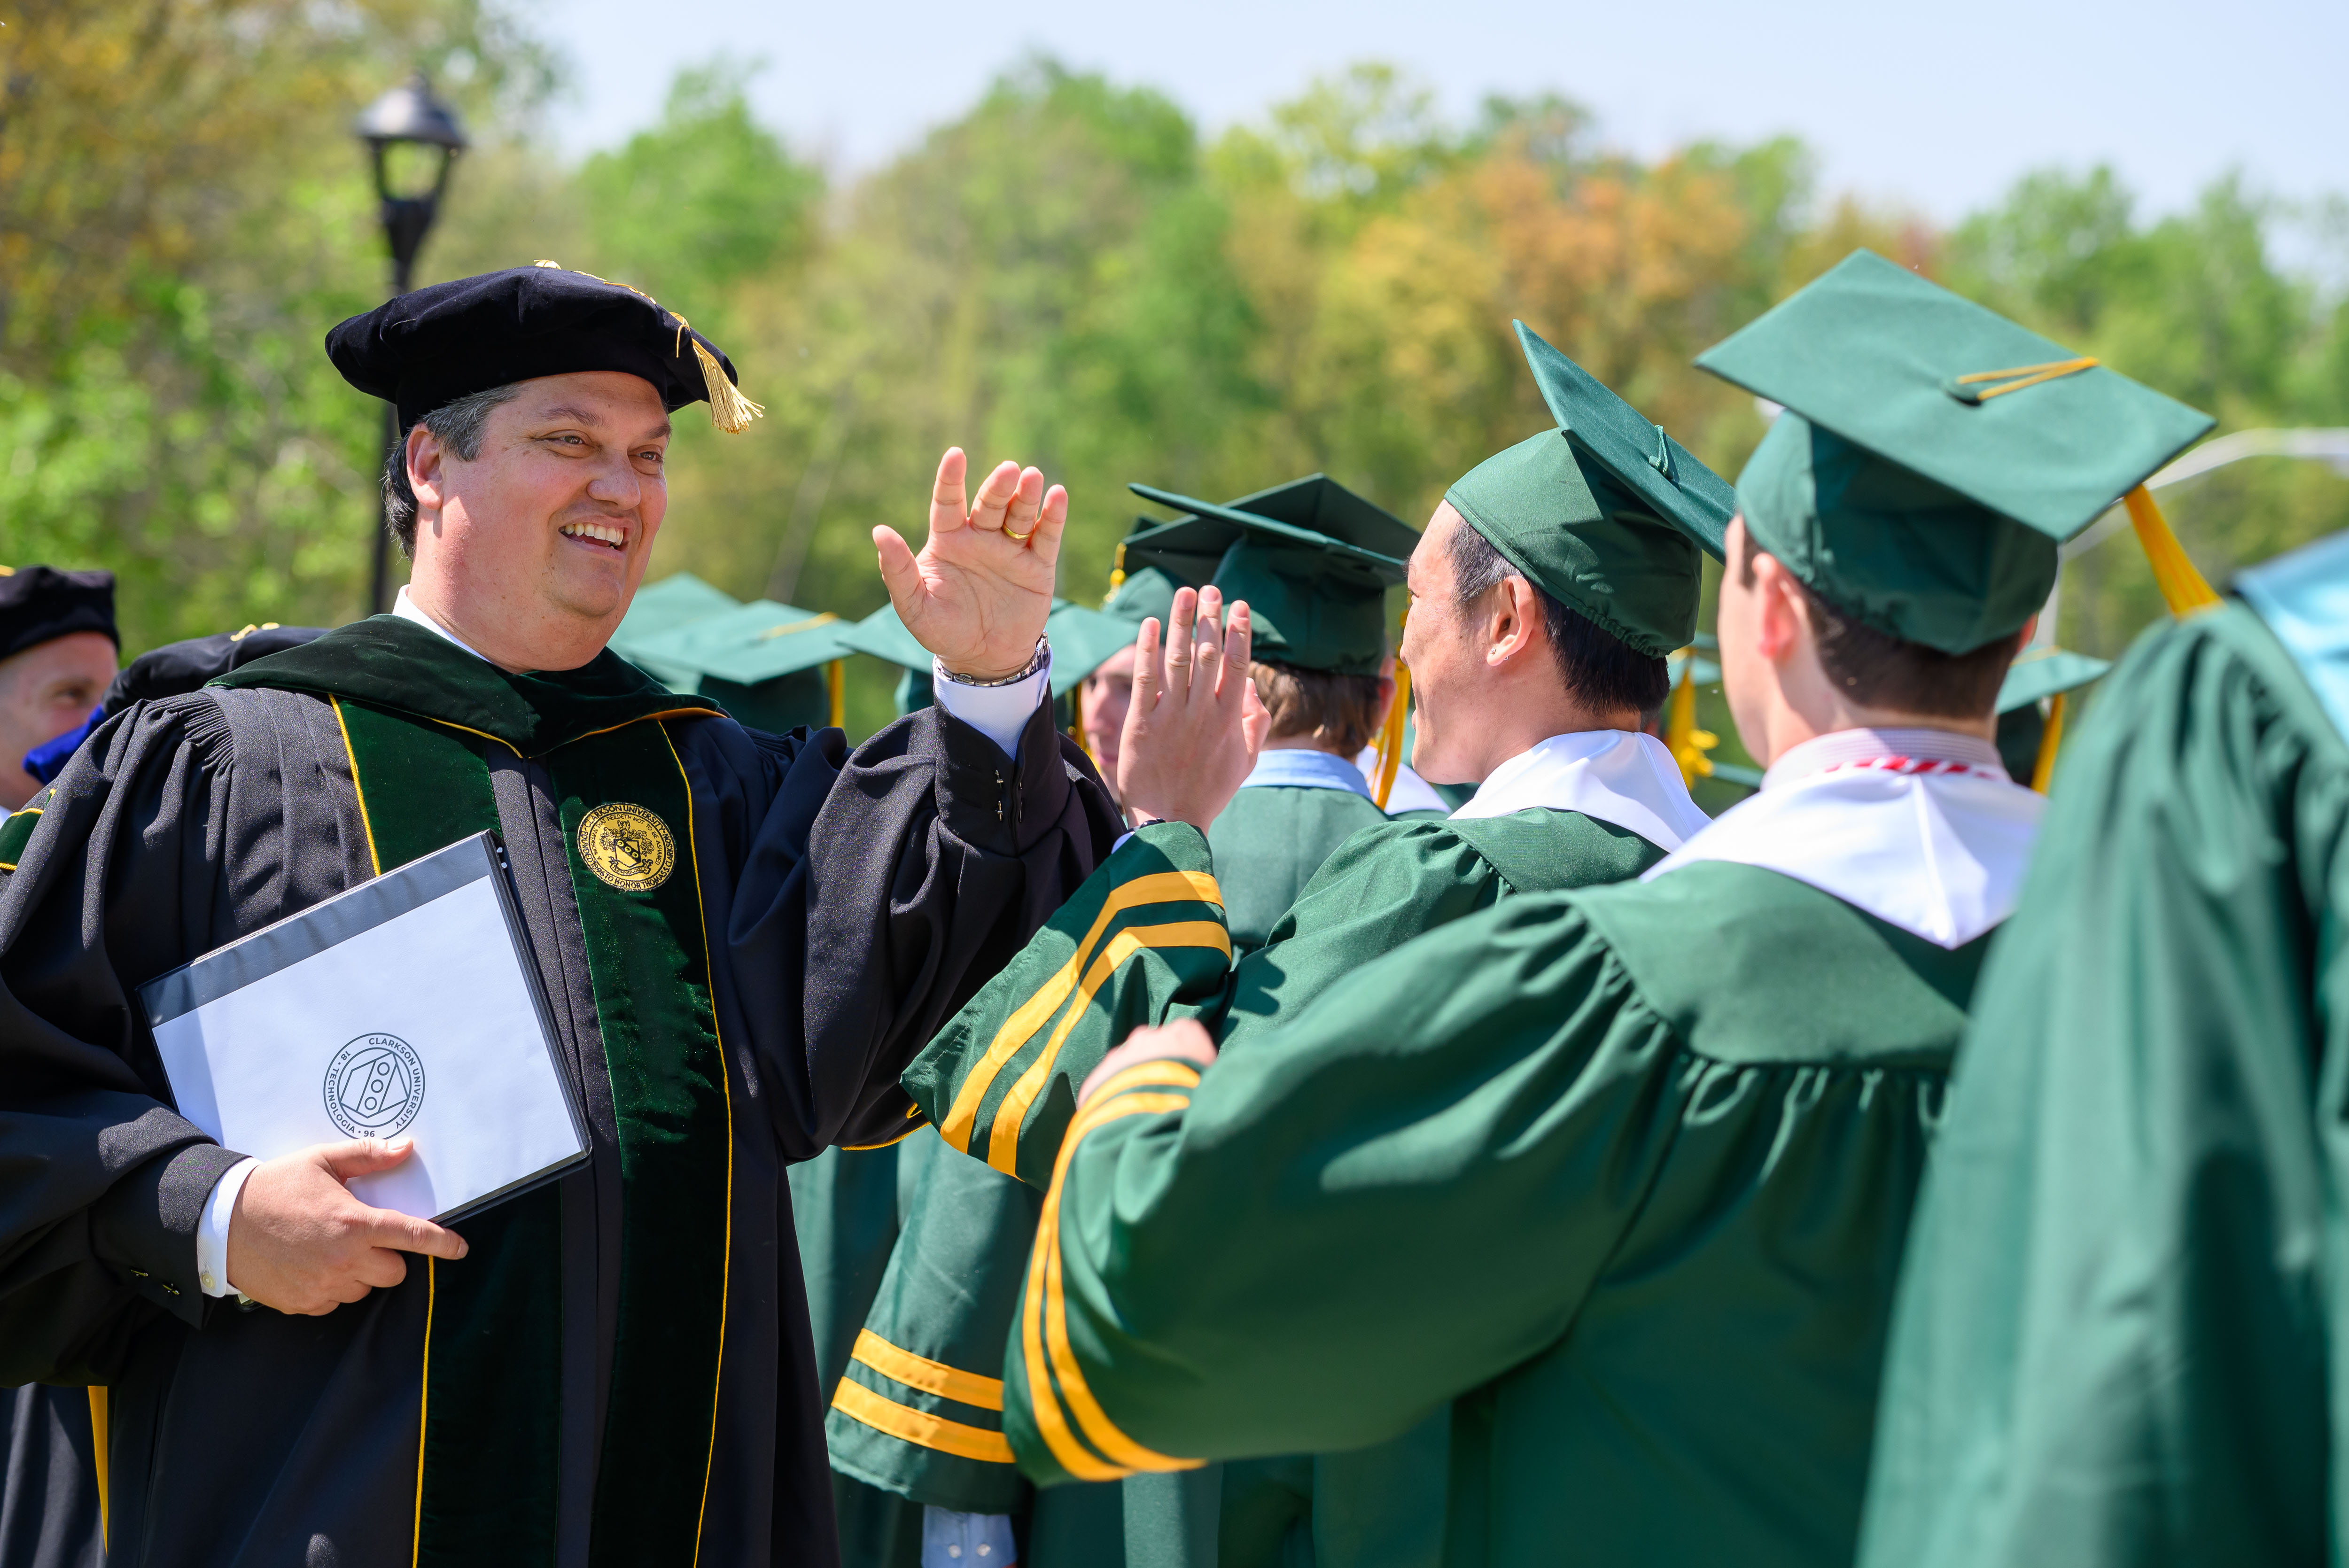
(614,1368)
(57,652)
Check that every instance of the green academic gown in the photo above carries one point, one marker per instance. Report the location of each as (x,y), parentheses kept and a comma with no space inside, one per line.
(622,1369)
(1142,942)
(954,1270)
(1297,807)
(1633,1220)
(2121,1328)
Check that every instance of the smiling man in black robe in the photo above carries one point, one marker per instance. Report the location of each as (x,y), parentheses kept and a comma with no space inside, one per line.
(614,1368)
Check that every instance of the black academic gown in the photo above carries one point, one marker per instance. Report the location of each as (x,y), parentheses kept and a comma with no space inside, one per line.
(849,905)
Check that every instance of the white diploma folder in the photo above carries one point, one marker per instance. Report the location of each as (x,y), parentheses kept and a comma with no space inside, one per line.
(407,1006)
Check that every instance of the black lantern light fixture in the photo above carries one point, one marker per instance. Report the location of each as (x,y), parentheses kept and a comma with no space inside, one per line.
(407,122)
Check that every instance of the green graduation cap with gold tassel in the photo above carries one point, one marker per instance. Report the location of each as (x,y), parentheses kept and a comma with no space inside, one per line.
(1934,454)
(1313,561)
(1143,584)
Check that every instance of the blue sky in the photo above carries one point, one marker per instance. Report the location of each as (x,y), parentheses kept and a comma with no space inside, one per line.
(1938,106)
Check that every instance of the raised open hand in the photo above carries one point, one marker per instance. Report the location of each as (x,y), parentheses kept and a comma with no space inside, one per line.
(977,595)
(1195,722)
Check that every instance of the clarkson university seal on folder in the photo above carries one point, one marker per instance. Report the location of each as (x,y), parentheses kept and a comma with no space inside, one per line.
(626,846)
(375,1086)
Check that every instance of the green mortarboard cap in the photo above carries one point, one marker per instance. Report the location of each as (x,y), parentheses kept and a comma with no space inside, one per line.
(885,637)
(1143,584)
(1085,639)
(1316,596)
(2046,673)
(1607,513)
(678,600)
(1936,452)
(761,662)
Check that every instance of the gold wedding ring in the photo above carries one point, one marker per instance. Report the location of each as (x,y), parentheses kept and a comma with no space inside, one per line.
(1018,537)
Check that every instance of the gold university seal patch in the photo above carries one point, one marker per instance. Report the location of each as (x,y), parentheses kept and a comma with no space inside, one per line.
(626,846)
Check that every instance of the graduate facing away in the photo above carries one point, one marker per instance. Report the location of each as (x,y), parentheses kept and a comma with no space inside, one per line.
(613,1369)
(1621,1176)
(1548,588)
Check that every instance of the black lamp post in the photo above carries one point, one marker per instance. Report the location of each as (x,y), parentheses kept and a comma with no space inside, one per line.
(406,115)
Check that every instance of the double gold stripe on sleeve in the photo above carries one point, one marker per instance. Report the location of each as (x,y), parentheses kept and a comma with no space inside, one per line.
(1032,1015)
(1044,1319)
(1003,1139)
(920,1427)
(923,1428)
(930,1377)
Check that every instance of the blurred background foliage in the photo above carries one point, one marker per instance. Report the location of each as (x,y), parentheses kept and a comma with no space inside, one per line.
(1067,273)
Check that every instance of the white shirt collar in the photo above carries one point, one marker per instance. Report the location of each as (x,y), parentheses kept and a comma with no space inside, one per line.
(1616,776)
(1920,828)
(405,608)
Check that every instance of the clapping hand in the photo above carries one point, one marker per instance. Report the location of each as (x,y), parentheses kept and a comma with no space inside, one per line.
(977,595)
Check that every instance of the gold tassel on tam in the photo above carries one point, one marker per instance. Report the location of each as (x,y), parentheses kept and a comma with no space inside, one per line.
(1682,738)
(2183,588)
(2044,770)
(729,409)
(1390,735)
(835,687)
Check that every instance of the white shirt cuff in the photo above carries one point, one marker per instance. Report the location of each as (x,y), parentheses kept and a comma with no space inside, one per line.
(1000,713)
(951,1540)
(211,1231)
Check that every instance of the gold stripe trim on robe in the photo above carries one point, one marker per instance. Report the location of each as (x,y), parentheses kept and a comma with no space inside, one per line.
(375,860)
(1044,1313)
(930,1377)
(1003,1139)
(920,1427)
(1159,887)
(98,1439)
(726,1086)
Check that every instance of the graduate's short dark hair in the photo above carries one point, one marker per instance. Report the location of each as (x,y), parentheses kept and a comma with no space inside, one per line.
(1877,669)
(460,426)
(1340,712)
(1600,670)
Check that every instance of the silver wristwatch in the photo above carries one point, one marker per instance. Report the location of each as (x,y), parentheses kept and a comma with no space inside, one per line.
(1043,653)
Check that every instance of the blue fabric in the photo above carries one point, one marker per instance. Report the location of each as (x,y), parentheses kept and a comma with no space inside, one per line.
(45,762)
(951,1540)
(1295,769)
(2304,597)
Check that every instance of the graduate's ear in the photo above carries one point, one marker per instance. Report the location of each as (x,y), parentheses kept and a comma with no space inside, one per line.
(1512,615)
(427,468)
(1782,613)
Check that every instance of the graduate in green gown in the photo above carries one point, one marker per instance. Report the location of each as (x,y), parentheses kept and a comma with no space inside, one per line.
(956,1252)
(852,1205)
(2119,1339)
(1621,1176)
(1313,563)
(1550,588)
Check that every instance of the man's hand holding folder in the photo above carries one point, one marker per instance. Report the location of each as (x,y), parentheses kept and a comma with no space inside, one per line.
(300,1242)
